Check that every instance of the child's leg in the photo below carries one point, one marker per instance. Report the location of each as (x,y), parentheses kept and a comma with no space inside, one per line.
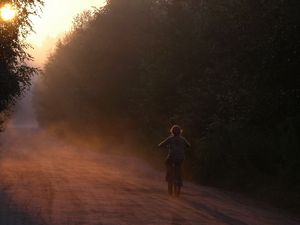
(169,177)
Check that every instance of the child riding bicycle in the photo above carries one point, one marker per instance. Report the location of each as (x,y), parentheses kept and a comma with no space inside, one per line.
(176,145)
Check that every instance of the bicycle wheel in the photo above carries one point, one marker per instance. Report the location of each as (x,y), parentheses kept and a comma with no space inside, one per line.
(171,179)
(170,188)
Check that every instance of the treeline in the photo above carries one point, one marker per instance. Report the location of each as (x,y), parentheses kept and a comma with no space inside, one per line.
(227,71)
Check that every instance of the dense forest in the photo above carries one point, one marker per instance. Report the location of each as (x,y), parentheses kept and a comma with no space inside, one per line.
(226,71)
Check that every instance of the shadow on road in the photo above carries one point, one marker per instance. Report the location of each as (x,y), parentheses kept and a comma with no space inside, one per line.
(10,214)
(228,220)
(176,219)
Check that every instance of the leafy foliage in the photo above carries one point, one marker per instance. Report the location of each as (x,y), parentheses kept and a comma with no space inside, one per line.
(225,70)
(15,73)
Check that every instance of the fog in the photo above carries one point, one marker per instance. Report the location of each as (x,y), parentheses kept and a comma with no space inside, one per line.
(23,115)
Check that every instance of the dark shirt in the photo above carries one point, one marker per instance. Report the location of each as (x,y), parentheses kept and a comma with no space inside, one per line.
(176,146)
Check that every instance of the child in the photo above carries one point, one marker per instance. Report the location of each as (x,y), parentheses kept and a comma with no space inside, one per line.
(176,145)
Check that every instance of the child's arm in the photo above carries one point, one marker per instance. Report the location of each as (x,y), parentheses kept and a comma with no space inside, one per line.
(187,144)
(164,143)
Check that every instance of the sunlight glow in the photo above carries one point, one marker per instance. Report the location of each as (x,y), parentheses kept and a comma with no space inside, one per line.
(53,22)
(8,13)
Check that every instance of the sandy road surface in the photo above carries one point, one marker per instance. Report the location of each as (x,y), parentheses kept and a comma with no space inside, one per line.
(45,181)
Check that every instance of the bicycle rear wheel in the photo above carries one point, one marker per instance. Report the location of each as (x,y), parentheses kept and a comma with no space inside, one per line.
(177,189)
(170,188)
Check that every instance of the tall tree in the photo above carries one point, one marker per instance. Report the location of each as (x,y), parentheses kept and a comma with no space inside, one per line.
(15,73)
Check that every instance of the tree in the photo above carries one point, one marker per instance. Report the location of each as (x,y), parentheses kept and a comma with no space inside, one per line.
(15,72)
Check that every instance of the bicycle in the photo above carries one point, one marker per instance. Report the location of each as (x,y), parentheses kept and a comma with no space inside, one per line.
(174,178)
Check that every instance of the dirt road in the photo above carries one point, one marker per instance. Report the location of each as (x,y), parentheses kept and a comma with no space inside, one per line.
(45,181)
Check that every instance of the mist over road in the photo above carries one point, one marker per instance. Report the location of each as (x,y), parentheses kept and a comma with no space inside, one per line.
(53,183)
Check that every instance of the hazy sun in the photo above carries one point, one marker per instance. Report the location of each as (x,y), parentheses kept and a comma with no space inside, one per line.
(7,12)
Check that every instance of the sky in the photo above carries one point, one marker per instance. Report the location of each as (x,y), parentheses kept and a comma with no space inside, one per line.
(54,21)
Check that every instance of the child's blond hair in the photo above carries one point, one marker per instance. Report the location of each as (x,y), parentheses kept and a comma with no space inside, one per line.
(176,130)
